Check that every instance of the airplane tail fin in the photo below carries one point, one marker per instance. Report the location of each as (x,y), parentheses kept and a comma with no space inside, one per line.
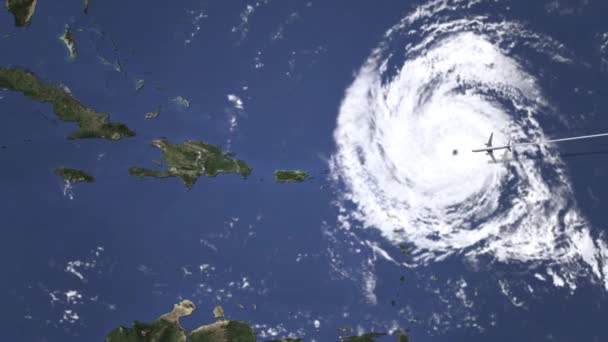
(509,146)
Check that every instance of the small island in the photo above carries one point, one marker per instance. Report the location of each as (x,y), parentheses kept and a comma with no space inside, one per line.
(139,84)
(22,10)
(290,176)
(68,40)
(192,159)
(67,108)
(153,115)
(74,175)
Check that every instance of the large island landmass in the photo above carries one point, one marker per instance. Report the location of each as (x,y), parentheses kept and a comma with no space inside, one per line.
(74,175)
(167,329)
(290,176)
(369,337)
(223,331)
(402,336)
(22,10)
(92,124)
(190,159)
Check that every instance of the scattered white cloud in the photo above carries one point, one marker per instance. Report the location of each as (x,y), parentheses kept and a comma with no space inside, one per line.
(504,288)
(257,61)
(279,33)
(79,267)
(197,17)
(236,101)
(209,245)
(69,316)
(234,111)
(66,303)
(242,28)
(68,189)
(604,51)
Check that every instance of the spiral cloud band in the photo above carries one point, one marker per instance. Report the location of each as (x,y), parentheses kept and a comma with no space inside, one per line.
(433,90)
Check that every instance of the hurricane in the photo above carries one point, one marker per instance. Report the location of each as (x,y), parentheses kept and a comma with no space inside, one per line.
(435,87)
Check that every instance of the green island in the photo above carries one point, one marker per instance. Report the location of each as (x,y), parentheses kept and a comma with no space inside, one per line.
(191,159)
(402,336)
(165,329)
(68,40)
(168,329)
(290,176)
(74,175)
(223,331)
(139,84)
(22,10)
(369,337)
(152,115)
(91,124)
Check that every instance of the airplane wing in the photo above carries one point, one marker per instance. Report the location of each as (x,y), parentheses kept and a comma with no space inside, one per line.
(491,153)
(489,144)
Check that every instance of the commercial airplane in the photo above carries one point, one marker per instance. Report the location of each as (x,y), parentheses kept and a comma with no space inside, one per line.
(489,149)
